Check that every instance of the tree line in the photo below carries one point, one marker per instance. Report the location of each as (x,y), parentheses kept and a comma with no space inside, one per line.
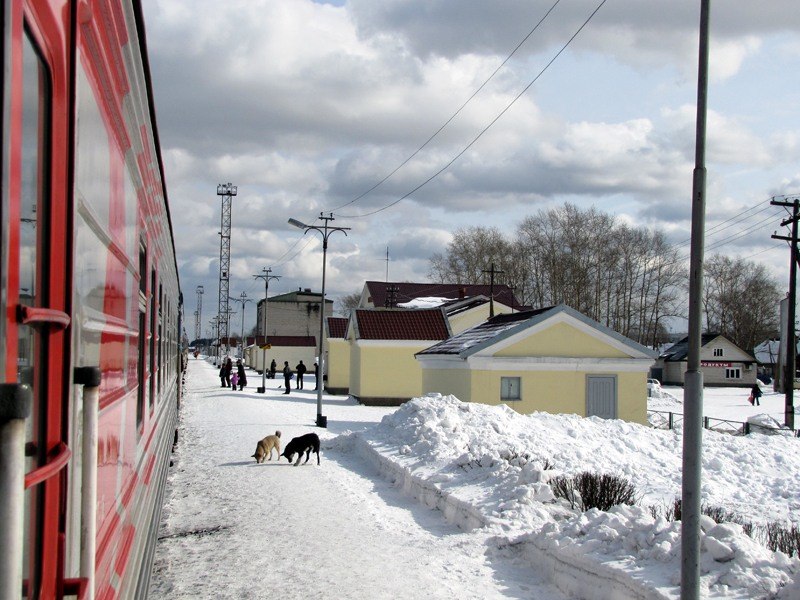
(627,278)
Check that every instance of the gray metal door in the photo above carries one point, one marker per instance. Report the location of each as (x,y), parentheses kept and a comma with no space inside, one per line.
(601,396)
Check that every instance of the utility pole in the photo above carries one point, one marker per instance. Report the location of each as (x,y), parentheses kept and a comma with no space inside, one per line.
(266,277)
(215,332)
(693,381)
(391,296)
(492,273)
(790,359)
(387,264)
(243,299)
(226,191)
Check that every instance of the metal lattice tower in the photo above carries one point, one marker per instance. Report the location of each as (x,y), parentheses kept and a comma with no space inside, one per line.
(198,314)
(227,191)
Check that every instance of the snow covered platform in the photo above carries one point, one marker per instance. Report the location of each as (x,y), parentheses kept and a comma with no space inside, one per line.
(360,524)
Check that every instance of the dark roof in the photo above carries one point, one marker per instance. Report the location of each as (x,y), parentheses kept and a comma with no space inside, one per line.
(412,324)
(298,296)
(680,350)
(501,327)
(405,292)
(292,340)
(337,327)
(483,332)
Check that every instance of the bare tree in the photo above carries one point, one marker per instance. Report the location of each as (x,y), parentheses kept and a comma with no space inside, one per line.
(348,302)
(740,300)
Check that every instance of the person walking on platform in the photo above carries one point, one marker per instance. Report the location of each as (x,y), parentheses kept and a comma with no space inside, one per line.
(287,376)
(316,375)
(301,370)
(273,366)
(242,375)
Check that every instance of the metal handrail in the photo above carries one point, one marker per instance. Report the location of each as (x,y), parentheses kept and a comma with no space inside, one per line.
(740,427)
(61,455)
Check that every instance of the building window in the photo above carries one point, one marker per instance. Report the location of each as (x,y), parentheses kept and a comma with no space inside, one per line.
(733,373)
(717,351)
(509,388)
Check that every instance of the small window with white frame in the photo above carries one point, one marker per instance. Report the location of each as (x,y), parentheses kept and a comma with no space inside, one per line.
(510,388)
(718,352)
(733,373)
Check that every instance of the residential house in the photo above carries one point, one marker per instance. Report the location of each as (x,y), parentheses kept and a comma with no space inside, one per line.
(382,343)
(722,363)
(553,359)
(383,294)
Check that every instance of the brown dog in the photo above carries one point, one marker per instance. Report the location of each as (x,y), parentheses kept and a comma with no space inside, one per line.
(266,445)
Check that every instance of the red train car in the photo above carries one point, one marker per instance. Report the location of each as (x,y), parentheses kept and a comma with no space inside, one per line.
(90,304)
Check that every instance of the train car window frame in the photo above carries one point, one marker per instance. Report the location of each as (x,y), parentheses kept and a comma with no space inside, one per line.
(35,153)
(141,345)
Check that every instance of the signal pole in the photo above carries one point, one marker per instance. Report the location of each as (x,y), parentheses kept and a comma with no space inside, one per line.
(227,191)
(790,360)
(266,277)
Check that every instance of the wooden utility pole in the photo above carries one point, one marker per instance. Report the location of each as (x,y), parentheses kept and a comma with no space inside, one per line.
(492,272)
(790,360)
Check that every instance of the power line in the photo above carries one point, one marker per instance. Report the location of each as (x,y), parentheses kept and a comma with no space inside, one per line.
(454,115)
(491,123)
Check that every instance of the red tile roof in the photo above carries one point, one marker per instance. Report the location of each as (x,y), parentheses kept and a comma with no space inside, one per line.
(337,327)
(292,340)
(423,324)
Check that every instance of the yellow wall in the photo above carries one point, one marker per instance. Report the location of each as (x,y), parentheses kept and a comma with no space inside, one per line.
(386,371)
(549,391)
(455,382)
(563,340)
(467,319)
(338,364)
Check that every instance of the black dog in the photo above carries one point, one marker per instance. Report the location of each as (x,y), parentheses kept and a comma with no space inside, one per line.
(305,443)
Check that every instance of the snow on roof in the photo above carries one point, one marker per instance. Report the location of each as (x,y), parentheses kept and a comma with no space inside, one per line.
(424,302)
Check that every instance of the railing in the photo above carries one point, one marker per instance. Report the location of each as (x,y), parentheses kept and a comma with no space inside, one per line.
(668,420)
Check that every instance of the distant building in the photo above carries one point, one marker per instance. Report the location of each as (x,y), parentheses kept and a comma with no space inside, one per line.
(294,313)
(722,363)
(391,294)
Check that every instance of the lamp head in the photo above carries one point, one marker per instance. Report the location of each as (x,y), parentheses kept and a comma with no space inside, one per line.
(298,224)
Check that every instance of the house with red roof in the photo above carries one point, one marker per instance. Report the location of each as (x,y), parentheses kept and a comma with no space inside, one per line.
(382,346)
(392,294)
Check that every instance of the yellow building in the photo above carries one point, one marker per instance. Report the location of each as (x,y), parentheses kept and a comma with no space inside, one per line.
(553,359)
(382,344)
(337,361)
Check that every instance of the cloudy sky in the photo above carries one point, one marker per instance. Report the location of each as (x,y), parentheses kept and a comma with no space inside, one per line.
(368,109)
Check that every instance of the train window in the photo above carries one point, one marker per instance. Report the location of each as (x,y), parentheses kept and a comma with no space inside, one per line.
(32,247)
(153,332)
(140,370)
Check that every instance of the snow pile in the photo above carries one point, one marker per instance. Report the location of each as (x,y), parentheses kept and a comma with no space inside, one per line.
(424,302)
(490,466)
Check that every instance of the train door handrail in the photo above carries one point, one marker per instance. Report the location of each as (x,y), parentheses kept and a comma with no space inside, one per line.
(59,457)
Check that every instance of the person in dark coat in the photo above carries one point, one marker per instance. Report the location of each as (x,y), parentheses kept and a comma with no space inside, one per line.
(287,376)
(316,375)
(240,373)
(755,394)
(222,374)
(228,371)
(272,368)
(301,370)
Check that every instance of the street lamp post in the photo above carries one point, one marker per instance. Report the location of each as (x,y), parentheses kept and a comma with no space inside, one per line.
(325,230)
(244,300)
(266,277)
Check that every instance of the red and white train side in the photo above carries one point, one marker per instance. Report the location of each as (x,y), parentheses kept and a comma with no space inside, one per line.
(90,305)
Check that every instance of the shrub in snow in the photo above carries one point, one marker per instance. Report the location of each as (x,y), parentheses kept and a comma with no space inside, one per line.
(591,490)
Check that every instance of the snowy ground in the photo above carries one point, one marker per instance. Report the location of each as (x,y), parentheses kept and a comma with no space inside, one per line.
(361,524)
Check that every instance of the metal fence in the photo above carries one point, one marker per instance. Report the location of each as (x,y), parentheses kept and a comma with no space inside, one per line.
(669,420)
